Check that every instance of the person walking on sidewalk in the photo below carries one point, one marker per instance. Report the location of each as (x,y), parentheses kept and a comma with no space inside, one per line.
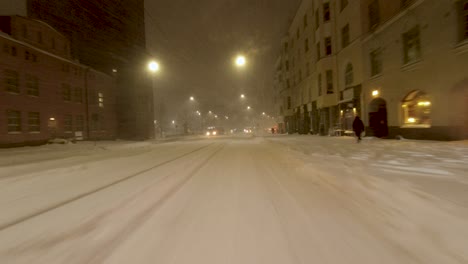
(358,127)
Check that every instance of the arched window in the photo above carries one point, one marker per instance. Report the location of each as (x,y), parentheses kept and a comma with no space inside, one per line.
(349,75)
(416,109)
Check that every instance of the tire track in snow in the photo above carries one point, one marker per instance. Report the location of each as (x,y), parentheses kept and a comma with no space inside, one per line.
(45,210)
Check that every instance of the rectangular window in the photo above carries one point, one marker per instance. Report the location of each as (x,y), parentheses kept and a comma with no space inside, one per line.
(24,30)
(305,21)
(463,18)
(27,55)
(79,123)
(78,96)
(13,121)
(288,83)
(6,48)
(300,75)
(376,62)
(406,3)
(13,51)
(286,47)
(411,45)
(308,69)
(374,15)
(319,84)
(101,99)
(286,65)
(318,51)
(95,122)
(306,45)
(32,85)
(330,82)
(289,102)
(345,36)
(317,19)
(344,3)
(66,92)
(328,46)
(12,81)
(326,12)
(68,123)
(34,122)
(34,57)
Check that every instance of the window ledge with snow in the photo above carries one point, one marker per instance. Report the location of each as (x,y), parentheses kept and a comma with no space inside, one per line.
(461,47)
(413,65)
(416,126)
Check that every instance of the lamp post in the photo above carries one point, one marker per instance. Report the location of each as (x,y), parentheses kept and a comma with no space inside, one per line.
(153,67)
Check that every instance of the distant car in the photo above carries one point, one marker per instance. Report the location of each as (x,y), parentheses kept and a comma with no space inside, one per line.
(214,131)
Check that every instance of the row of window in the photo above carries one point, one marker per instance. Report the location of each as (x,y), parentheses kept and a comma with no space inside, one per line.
(12,83)
(70,123)
(38,38)
(12,50)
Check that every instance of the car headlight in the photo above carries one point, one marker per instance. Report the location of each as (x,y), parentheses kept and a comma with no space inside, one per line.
(214,133)
(207,133)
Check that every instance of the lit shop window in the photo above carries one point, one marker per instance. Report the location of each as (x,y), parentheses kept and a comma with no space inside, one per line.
(416,109)
(101,99)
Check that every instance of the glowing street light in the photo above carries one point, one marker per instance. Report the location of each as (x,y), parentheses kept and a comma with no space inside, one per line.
(192,98)
(153,66)
(242,96)
(240,61)
(263,113)
(248,107)
(209,112)
(173,122)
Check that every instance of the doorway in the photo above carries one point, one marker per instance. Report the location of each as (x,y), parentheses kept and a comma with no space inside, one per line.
(378,124)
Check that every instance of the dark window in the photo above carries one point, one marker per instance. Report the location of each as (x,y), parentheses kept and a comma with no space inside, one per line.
(344,3)
(32,85)
(374,14)
(287,65)
(288,84)
(24,30)
(12,81)
(79,124)
(329,74)
(411,45)
(13,121)
(349,75)
(317,19)
(68,123)
(66,92)
(406,3)
(34,57)
(95,122)
(286,47)
(289,102)
(319,84)
(6,48)
(318,51)
(34,122)
(78,95)
(27,55)
(308,68)
(13,51)
(328,46)
(305,21)
(376,62)
(306,45)
(345,36)
(326,12)
(300,75)
(463,18)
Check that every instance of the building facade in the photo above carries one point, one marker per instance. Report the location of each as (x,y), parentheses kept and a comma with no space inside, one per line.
(401,65)
(107,35)
(44,94)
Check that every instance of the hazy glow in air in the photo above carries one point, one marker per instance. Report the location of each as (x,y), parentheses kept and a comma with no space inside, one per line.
(240,61)
(153,66)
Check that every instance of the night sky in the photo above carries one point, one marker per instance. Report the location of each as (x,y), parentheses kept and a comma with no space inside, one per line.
(196,41)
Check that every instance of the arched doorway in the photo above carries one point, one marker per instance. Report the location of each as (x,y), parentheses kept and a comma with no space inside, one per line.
(378,118)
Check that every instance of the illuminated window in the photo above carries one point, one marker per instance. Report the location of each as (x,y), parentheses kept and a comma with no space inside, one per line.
(416,109)
(101,99)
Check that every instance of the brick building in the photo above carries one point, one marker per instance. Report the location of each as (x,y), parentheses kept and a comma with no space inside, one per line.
(44,93)
(107,35)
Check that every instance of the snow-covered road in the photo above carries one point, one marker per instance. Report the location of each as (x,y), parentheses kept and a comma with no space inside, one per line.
(285,199)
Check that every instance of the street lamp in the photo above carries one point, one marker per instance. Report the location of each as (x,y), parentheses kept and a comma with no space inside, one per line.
(240,61)
(153,67)
(242,96)
(192,98)
(248,107)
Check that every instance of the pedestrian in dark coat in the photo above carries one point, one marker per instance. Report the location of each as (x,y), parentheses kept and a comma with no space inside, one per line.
(358,127)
